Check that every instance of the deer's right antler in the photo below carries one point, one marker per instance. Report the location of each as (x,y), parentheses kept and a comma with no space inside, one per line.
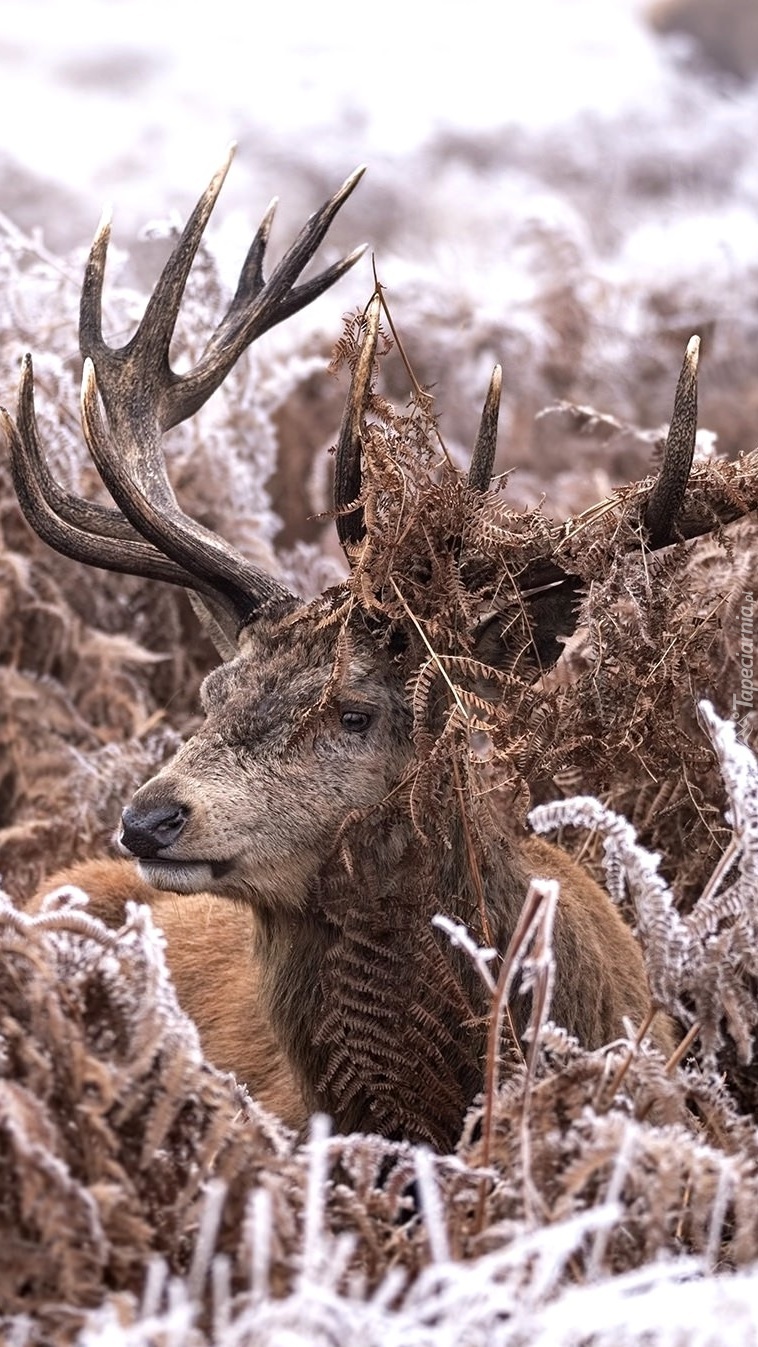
(485,445)
(667,495)
(548,584)
(131,396)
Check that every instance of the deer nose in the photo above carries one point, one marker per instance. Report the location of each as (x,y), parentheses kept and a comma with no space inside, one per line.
(145,832)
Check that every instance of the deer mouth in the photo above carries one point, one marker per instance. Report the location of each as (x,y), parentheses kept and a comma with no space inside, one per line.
(183,876)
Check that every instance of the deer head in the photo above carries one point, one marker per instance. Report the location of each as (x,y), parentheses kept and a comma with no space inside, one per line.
(253,803)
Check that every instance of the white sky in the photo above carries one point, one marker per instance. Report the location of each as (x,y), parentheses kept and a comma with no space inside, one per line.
(377,78)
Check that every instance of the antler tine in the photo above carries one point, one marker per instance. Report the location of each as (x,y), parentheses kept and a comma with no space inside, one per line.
(86,516)
(251,280)
(212,566)
(91,301)
(77,528)
(668,493)
(347,467)
(483,457)
(153,337)
(260,304)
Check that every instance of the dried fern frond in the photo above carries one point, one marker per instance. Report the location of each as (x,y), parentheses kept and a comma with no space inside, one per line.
(699,965)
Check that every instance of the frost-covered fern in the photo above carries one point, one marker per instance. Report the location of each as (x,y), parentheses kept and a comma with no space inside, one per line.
(700,965)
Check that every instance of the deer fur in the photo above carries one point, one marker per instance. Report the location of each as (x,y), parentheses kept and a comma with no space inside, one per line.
(268,782)
(212,955)
(216,955)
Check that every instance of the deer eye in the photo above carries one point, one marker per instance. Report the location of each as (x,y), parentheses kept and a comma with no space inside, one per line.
(354,721)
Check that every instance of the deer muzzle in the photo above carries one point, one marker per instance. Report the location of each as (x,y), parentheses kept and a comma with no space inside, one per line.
(148,832)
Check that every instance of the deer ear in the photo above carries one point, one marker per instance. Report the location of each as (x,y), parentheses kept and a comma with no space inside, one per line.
(551,615)
(216,624)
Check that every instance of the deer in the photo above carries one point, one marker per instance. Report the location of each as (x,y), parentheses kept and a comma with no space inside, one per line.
(276,850)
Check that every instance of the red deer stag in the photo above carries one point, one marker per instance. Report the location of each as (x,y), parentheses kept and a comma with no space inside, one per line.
(281,849)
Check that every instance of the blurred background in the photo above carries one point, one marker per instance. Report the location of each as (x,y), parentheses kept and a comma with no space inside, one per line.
(567,186)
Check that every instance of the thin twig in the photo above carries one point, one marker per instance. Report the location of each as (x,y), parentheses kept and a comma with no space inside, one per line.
(432,652)
(684,1047)
(422,394)
(722,868)
(634,1048)
(36,248)
(473,859)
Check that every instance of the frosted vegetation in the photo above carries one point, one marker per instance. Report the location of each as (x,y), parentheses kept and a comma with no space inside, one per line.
(576,209)
(605,1198)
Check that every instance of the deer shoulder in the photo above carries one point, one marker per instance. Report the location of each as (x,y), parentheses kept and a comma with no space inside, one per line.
(214,962)
(600,975)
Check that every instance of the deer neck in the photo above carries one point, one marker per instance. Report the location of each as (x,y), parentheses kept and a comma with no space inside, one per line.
(362,991)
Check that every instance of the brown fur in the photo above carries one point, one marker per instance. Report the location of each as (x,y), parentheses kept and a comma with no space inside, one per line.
(593,933)
(210,951)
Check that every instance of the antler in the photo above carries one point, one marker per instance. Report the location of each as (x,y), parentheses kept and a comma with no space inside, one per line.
(347,467)
(483,457)
(668,493)
(552,591)
(78,528)
(662,516)
(148,534)
(548,584)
